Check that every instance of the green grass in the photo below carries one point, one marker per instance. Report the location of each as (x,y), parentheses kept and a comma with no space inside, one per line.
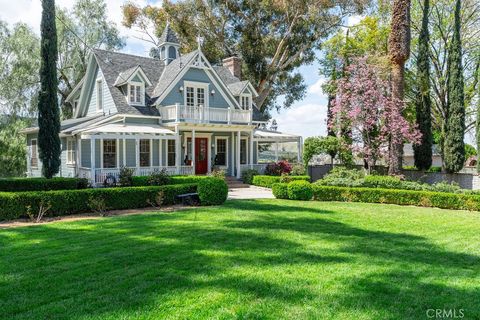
(265,259)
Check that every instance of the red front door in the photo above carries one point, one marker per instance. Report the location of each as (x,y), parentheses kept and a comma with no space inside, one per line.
(201,155)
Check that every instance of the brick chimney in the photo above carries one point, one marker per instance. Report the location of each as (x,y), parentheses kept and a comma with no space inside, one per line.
(234,65)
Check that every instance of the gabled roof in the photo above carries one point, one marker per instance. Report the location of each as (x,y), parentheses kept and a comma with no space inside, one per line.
(113,64)
(168,35)
(225,74)
(125,76)
(237,87)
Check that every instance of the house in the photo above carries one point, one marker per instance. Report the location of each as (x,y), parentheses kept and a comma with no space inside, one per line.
(177,113)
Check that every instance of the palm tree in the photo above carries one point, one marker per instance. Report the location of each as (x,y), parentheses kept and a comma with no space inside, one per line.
(399,51)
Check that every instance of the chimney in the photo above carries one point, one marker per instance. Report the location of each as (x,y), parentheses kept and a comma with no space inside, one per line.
(234,65)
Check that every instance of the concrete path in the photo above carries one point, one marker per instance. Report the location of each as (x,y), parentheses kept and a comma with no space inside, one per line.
(251,192)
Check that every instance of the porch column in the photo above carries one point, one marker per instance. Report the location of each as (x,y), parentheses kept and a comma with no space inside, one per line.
(239,174)
(151,154)
(124,147)
(92,160)
(232,154)
(160,145)
(299,145)
(137,155)
(117,151)
(276,151)
(178,150)
(251,149)
(193,151)
(79,154)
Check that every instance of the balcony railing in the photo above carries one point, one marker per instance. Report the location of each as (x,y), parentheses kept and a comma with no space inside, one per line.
(201,114)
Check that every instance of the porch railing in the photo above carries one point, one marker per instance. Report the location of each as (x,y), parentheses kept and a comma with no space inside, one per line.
(102,174)
(201,114)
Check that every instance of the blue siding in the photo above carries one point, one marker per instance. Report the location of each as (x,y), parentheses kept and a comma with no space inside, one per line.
(196,75)
(65,169)
(130,153)
(97,153)
(108,104)
(86,153)
(155,154)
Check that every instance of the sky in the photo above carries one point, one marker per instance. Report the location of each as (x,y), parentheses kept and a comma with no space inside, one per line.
(306,118)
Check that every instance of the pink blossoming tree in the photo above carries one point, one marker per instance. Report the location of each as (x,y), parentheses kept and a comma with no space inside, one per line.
(374,119)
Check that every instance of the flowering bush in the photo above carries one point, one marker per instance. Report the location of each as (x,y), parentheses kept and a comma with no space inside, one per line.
(278,168)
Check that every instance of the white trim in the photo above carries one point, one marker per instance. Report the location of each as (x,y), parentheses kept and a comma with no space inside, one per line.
(142,94)
(68,150)
(196,85)
(77,87)
(83,91)
(227,154)
(250,102)
(246,150)
(137,70)
(101,152)
(99,93)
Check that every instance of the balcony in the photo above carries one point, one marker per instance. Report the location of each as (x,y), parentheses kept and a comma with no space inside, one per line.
(200,114)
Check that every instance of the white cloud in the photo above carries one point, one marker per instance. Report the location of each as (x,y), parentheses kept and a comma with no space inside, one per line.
(305,119)
(29,12)
(316,88)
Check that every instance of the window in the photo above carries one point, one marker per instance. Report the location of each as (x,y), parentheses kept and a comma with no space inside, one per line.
(71,151)
(221,152)
(99,95)
(144,153)
(190,97)
(135,94)
(245,102)
(75,105)
(171,152)
(243,151)
(196,94)
(109,153)
(33,154)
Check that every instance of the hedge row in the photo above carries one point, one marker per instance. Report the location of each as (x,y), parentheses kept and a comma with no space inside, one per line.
(269,181)
(66,202)
(42,184)
(391,196)
(144,181)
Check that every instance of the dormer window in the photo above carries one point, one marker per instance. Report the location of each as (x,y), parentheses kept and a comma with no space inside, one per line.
(136,94)
(246,101)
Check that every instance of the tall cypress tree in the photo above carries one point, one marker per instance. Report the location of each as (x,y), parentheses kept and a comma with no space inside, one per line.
(423,151)
(454,146)
(48,111)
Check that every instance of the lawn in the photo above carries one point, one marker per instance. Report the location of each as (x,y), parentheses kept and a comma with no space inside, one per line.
(264,259)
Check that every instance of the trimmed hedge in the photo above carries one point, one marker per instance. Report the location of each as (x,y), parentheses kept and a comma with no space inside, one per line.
(280,190)
(144,181)
(42,184)
(300,190)
(400,197)
(269,181)
(66,202)
(213,191)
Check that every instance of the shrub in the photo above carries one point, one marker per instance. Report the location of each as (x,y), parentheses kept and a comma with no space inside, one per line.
(42,184)
(278,168)
(280,190)
(65,202)
(298,170)
(435,169)
(159,178)
(217,173)
(269,181)
(212,191)
(141,181)
(126,177)
(387,182)
(300,190)
(399,197)
(247,175)
(446,187)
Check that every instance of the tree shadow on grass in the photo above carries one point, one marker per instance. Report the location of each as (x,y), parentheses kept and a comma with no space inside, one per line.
(124,265)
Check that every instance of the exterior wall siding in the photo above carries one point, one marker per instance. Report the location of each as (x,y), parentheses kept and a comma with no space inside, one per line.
(108,104)
(195,75)
(130,153)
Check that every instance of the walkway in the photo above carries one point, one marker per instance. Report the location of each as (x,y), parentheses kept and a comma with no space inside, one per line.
(252,192)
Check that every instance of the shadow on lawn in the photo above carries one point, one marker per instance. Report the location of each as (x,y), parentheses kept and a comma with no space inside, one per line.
(98,268)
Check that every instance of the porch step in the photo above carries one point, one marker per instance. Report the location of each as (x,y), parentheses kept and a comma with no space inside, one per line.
(233,183)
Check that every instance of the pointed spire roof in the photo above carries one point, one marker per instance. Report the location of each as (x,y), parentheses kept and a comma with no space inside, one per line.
(168,35)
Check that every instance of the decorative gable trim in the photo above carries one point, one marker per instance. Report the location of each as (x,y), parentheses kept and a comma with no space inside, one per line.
(88,85)
(75,89)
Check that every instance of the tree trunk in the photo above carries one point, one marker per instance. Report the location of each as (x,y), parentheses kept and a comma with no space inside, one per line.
(396,148)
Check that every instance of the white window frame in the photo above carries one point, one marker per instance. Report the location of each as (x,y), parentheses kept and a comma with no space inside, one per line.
(150,154)
(102,150)
(136,101)
(31,152)
(168,152)
(99,92)
(71,151)
(249,97)
(227,155)
(196,86)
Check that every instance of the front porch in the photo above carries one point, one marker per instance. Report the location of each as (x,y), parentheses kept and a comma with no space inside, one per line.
(180,149)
